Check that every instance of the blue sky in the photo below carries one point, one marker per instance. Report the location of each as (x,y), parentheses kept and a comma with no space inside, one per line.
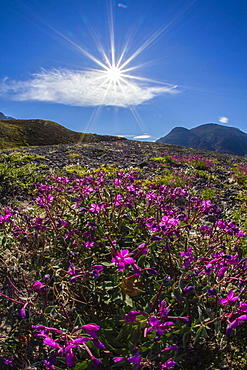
(135,68)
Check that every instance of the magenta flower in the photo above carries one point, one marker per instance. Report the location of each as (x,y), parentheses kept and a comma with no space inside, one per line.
(5,217)
(117,182)
(188,257)
(50,342)
(234,324)
(38,285)
(131,316)
(122,259)
(229,299)
(70,358)
(48,365)
(206,205)
(23,311)
(6,361)
(169,364)
(188,289)
(95,362)
(222,272)
(118,200)
(97,269)
(136,359)
(172,347)
(91,329)
(167,222)
(159,327)
(242,307)
(66,349)
(95,208)
(118,359)
(163,311)
(98,344)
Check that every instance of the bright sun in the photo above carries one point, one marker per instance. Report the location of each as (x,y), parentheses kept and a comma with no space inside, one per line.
(113,74)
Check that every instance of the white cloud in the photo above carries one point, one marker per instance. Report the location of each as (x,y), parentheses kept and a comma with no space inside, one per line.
(223,119)
(145,136)
(81,88)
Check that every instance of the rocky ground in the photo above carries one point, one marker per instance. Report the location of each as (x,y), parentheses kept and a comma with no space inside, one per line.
(132,154)
(124,153)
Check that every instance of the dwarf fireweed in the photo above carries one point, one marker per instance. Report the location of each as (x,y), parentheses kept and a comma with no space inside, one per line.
(114,269)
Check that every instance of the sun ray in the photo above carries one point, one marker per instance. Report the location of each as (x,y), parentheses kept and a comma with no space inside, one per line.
(135,113)
(98,43)
(111,33)
(113,81)
(93,117)
(157,34)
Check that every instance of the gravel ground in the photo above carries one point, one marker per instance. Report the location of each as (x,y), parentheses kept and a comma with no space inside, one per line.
(122,153)
(127,154)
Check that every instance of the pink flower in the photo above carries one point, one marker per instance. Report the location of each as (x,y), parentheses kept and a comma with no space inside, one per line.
(70,358)
(188,257)
(131,316)
(23,311)
(234,324)
(50,342)
(91,329)
(230,298)
(117,182)
(38,285)
(95,208)
(122,259)
(159,327)
(169,364)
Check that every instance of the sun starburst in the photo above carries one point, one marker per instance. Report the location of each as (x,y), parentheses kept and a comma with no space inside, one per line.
(114,74)
(112,81)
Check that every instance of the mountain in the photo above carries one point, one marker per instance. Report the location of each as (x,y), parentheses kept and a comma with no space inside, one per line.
(37,132)
(210,136)
(3,117)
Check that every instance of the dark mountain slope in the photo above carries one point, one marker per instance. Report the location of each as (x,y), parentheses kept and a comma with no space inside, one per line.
(210,136)
(3,117)
(184,137)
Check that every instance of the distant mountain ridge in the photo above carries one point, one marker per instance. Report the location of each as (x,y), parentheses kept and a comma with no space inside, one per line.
(209,136)
(3,117)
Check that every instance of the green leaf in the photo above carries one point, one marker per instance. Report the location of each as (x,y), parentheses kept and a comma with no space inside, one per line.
(217,326)
(107,264)
(198,334)
(137,333)
(204,332)
(81,365)
(78,321)
(200,313)
(129,301)
(186,338)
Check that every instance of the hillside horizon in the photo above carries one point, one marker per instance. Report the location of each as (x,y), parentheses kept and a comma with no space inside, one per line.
(209,136)
(16,133)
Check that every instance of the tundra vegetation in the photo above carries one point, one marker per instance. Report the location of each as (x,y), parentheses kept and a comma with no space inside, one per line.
(112,269)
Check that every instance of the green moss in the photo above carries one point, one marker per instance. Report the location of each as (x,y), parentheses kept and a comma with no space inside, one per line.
(73,155)
(19,157)
(163,160)
(209,193)
(77,169)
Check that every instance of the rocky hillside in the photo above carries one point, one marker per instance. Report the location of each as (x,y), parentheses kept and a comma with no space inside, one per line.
(37,132)
(210,136)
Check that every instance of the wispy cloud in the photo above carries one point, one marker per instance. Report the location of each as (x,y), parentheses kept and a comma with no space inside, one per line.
(144,136)
(81,88)
(223,119)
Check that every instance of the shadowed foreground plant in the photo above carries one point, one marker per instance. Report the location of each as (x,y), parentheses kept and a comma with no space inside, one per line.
(111,271)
